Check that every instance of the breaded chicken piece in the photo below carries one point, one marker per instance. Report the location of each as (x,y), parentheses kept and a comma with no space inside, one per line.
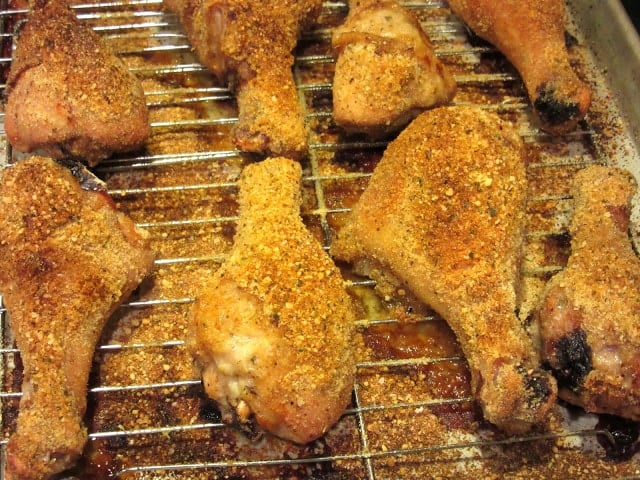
(68,94)
(386,70)
(273,328)
(248,44)
(590,313)
(67,260)
(443,216)
(532,37)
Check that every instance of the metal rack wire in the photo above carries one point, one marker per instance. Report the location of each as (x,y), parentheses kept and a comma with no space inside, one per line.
(139,29)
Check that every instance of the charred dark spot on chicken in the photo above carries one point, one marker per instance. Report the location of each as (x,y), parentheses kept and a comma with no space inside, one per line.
(537,386)
(551,108)
(572,359)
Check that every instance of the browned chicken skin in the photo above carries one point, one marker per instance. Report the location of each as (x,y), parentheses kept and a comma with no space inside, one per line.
(443,215)
(590,313)
(68,94)
(67,260)
(273,328)
(386,70)
(249,44)
(532,36)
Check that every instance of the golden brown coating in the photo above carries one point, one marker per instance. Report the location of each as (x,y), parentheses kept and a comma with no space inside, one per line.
(532,36)
(386,70)
(68,94)
(443,215)
(273,328)
(67,260)
(590,313)
(249,45)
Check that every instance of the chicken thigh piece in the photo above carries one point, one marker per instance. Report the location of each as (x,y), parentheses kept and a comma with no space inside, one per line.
(443,217)
(248,44)
(532,37)
(273,328)
(590,312)
(386,71)
(67,260)
(68,94)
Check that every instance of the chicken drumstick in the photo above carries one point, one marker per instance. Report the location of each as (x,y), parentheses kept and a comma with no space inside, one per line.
(386,70)
(531,35)
(68,94)
(67,260)
(273,329)
(443,216)
(590,314)
(248,44)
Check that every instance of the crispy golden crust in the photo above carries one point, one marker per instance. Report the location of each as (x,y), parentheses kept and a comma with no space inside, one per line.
(273,328)
(444,214)
(386,70)
(590,314)
(249,44)
(531,35)
(67,260)
(68,94)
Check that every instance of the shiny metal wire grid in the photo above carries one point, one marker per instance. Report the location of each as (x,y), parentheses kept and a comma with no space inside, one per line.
(160,35)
